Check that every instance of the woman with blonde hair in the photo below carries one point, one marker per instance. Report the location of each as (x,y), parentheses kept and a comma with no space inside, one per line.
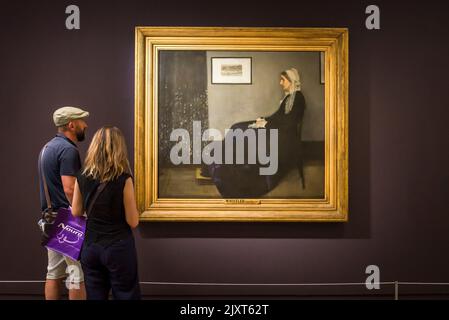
(108,257)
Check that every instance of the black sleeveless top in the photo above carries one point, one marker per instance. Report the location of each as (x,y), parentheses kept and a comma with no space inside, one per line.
(106,222)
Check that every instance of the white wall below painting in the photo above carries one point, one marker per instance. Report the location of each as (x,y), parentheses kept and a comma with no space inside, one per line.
(231,103)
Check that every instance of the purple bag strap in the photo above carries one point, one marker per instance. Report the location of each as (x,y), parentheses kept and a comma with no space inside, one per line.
(95,196)
(47,194)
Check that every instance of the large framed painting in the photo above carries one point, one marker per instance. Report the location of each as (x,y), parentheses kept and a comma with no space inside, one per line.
(238,124)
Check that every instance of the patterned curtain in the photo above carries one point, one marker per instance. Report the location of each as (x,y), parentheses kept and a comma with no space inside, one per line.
(182,96)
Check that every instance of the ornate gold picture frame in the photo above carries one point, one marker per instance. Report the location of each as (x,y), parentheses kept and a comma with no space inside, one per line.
(173,90)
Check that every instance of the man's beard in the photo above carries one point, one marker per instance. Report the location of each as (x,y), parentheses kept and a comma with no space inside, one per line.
(80,134)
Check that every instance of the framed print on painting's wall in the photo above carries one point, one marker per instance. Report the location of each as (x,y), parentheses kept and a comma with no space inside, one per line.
(273,149)
(231,70)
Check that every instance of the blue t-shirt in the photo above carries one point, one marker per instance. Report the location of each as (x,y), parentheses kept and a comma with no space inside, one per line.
(61,158)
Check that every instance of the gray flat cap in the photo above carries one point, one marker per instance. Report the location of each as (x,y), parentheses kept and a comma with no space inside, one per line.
(63,115)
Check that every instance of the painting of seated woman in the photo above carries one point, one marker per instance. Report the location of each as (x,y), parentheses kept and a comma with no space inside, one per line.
(262,138)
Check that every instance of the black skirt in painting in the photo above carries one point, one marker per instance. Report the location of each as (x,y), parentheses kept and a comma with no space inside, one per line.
(244,180)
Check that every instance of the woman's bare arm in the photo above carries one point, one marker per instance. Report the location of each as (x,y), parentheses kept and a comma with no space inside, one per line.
(77,202)
(129,201)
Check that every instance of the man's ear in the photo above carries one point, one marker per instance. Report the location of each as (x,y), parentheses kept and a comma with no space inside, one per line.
(71,125)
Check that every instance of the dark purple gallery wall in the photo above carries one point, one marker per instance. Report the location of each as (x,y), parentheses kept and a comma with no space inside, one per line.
(399,176)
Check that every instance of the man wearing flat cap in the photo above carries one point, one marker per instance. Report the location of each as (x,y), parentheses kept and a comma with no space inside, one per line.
(59,161)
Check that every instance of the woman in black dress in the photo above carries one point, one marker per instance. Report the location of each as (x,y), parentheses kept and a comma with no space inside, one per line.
(245,180)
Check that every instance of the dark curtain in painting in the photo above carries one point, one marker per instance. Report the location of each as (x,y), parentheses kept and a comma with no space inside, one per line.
(182,96)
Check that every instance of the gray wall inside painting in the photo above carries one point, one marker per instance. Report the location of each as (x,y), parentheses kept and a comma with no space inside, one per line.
(231,103)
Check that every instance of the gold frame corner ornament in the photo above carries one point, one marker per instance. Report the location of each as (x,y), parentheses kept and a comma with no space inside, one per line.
(333,41)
